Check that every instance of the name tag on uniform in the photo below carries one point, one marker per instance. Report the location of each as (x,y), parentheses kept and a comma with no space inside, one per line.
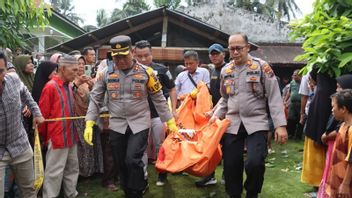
(113,80)
(214,77)
(138,81)
(253,73)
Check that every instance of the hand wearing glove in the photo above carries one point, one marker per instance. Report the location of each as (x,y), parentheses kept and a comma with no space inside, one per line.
(88,132)
(171,125)
(194,93)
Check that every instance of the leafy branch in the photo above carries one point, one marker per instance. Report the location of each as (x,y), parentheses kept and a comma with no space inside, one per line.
(327,34)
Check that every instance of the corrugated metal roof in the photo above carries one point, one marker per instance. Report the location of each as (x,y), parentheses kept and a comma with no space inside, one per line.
(283,53)
(133,25)
(66,20)
(149,24)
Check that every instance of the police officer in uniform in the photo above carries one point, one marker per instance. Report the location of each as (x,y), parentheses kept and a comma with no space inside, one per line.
(248,85)
(128,85)
(143,54)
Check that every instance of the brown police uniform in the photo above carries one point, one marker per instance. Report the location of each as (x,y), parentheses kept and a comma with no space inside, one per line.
(129,110)
(248,93)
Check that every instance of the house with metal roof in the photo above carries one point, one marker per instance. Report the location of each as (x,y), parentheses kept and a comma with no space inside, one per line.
(59,30)
(171,33)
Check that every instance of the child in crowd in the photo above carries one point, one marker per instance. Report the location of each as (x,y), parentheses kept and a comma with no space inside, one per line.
(328,138)
(339,182)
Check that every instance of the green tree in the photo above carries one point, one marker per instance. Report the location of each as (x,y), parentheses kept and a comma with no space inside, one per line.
(133,7)
(102,18)
(117,14)
(276,9)
(67,9)
(327,34)
(254,6)
(17,16)
(283,9)
(172,4)
(196,2)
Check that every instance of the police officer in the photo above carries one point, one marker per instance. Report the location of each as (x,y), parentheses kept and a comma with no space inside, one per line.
(248,85)
(128,85)
(143,54)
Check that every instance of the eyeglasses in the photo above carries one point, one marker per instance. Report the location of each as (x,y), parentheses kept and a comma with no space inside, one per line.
(236,48)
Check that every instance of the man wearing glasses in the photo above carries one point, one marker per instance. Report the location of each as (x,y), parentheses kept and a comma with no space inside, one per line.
(249,92)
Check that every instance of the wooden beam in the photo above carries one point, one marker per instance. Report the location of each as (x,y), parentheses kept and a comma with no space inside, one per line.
(164,34)
(93,37)
(130,30)
(131,26)
(129,23)
(66,48)
(197,31)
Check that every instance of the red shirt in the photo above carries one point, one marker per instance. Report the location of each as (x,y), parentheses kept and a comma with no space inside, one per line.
(56,101)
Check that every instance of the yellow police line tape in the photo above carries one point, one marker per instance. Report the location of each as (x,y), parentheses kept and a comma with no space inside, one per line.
(74,118)
(38,162)
(38,158)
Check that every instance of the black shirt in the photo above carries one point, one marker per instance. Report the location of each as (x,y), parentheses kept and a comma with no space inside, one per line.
(215,84)
(166,81)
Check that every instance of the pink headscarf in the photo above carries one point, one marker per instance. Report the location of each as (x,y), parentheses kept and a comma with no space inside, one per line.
(55,58)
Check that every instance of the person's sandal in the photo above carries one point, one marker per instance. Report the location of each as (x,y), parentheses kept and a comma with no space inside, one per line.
(112,187)
(311,194)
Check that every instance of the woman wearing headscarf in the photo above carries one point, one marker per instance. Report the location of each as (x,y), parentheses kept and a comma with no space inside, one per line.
(25,70)
(318,115)
(89,157)
(45,71)
(55,58)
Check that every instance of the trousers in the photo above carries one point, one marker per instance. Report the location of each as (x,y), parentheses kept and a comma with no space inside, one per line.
(128,150)
(233,150)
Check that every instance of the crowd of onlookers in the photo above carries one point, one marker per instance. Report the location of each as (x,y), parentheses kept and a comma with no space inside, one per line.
(312,109)
(317,108)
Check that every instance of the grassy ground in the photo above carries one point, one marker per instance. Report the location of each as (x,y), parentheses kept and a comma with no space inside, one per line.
(282,180)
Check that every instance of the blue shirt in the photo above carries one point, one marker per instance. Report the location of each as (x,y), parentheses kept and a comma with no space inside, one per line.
(184,85)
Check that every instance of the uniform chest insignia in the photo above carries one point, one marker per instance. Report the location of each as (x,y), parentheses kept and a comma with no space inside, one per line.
(253,78)
(253,67)
(113,95)
(138,76)
(137,94)
(267,70)
(113,86)
(113,75)
(228,71)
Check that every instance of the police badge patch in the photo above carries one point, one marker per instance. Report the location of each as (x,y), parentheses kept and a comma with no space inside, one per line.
(268,71)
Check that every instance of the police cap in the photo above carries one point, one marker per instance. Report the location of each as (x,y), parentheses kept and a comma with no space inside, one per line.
(120,45)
